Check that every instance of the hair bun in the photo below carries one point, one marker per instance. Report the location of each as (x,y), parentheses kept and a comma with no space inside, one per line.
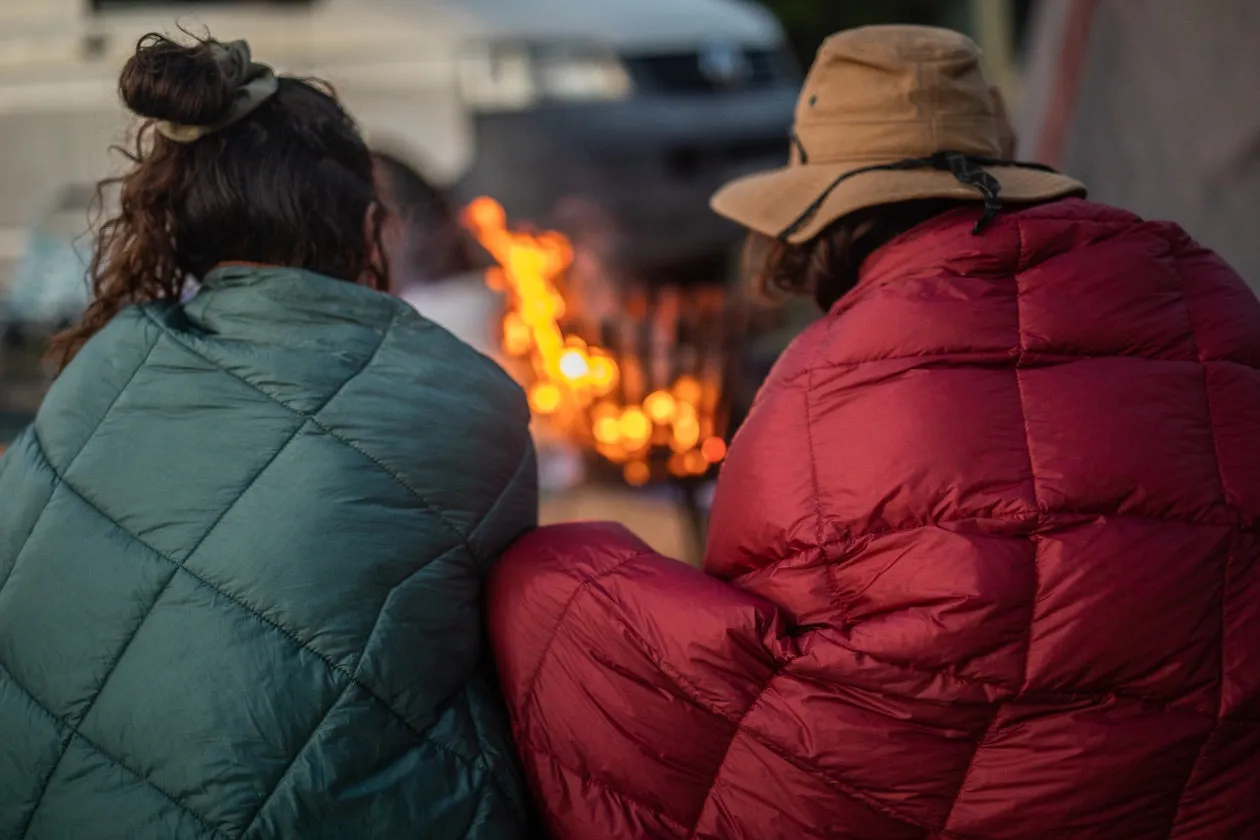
(166,80)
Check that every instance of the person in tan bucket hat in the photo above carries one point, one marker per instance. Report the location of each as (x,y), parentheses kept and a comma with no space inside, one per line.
(983,558)
(889,114)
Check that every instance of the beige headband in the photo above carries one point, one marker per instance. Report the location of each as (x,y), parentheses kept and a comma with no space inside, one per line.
(255,83)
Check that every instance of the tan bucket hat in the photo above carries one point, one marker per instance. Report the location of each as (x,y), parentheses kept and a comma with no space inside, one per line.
(888,114)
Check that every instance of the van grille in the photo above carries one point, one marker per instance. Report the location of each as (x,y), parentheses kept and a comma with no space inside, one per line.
(685,73)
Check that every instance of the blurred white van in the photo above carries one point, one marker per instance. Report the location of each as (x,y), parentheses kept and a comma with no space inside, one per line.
(637,107)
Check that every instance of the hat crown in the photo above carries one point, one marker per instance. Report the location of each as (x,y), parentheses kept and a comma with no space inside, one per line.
(886,93)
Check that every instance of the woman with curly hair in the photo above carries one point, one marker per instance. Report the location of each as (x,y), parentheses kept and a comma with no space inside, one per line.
(242,545)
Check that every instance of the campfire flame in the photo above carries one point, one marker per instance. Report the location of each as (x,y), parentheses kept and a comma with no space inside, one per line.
(578,386)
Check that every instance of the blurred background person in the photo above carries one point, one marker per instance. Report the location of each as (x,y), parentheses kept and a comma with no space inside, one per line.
(435,265)
(242,545)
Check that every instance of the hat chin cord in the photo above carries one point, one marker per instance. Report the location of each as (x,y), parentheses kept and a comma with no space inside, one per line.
(965,168)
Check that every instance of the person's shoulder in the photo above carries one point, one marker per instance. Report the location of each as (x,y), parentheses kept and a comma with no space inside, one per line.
(1047,230)
(423,354)
(1155,284)
(93,382)
(1074,209)
(441,413)
(115,353)
(803,355)
(1076,224)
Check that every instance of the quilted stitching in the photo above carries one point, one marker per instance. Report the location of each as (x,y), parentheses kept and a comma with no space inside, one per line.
(496,518)
(287,632)
(313,418)
(105,753)
(1019,575)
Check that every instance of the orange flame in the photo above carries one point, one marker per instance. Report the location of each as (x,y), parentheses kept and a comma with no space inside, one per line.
(573,383)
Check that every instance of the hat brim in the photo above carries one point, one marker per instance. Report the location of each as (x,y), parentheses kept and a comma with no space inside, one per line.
(771,202)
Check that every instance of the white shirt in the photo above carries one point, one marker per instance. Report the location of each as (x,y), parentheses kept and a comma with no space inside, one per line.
(465,306)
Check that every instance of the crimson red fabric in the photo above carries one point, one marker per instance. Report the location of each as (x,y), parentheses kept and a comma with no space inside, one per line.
(984,563)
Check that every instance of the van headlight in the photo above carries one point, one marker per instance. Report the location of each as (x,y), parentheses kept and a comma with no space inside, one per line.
(500,77)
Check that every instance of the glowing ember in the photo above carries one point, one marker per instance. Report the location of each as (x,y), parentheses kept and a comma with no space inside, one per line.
(713,450)
(603,374)
(637,473)
(686,429)
(660,406)
(635,426)
(688,389)
(545,398)
(607,430)
(588,392)
(574,366)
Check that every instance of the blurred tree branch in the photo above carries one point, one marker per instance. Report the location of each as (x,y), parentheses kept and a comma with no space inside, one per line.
(809,22)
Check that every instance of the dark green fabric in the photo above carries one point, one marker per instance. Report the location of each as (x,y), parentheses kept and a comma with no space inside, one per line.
(241,558)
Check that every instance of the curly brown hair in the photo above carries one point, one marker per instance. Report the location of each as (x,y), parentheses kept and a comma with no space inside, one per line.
(290,185)
(827,267)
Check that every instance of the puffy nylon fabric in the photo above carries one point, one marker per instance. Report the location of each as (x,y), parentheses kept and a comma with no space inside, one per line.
(242,551)
(984,563)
